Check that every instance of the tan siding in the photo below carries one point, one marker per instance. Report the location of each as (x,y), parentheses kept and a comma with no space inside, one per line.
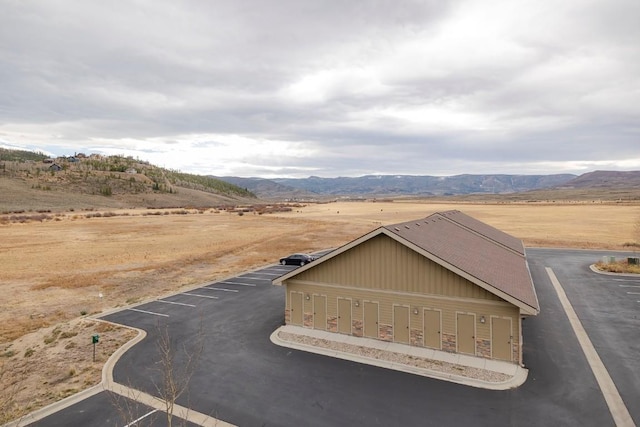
(386,272)
(386,300)
(383,263)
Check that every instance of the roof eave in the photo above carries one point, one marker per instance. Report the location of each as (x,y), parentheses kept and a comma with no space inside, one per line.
(524,307)
(278,280)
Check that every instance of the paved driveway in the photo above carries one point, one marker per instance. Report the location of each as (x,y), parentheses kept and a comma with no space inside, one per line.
(244,379)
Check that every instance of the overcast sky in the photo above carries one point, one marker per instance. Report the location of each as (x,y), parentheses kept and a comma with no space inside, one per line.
(327,88)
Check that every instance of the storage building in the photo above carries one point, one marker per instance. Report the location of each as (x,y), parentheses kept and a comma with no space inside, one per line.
(447,281)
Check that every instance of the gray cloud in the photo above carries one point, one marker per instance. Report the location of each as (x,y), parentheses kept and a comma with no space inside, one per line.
(327,88)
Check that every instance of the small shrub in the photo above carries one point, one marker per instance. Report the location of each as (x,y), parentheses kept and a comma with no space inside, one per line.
(29,352)
(104,327)
(51,338)
(83,312)
(618,267)
(67,334)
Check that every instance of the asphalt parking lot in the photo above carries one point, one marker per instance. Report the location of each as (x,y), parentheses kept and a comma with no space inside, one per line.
(244,379)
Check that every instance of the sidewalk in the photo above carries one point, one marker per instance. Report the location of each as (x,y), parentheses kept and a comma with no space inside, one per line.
(458,368)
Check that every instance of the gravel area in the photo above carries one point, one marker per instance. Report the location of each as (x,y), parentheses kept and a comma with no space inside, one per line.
(401,358)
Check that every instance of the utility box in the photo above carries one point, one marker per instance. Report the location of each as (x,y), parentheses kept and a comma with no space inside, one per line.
(633,261)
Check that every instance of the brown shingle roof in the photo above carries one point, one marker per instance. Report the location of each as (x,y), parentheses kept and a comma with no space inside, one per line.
(484,229)
(480,251)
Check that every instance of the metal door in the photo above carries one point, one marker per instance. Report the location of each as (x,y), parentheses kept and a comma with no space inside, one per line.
(371,319)
(344,316)
(466,333)
(320,312)
(432,329)
(501,337)
(296,308)
(401,324)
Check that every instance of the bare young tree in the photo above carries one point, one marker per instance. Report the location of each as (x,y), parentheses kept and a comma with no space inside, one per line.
(176,367)
(129,408)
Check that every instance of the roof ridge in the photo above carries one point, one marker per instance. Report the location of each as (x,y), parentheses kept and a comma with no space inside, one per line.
(477,232)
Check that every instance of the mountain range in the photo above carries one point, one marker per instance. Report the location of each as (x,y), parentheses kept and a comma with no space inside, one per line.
(397,185)
(426,186)
(33,181)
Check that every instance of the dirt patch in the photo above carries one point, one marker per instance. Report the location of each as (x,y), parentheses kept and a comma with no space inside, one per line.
(55,362)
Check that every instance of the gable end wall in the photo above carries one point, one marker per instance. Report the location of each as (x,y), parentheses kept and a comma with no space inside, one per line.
(382,263)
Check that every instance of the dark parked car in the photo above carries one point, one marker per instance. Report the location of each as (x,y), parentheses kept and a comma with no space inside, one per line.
(297,259)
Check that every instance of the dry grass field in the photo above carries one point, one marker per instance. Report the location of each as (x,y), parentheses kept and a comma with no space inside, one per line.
(69,266)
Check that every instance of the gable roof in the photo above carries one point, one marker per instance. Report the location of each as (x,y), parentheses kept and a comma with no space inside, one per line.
(484,229)
(485,253)
(482,254)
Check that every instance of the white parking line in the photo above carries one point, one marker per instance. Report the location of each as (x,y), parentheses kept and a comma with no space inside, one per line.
(633,293)
(176,303)
(189,415)
(616,405)
(135,422)
(221,289)
(148,312)
(237,283)
(266,273)
(629,286)
(199,296)
(626,280)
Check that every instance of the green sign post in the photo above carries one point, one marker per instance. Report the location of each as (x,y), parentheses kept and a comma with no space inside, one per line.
(94,339)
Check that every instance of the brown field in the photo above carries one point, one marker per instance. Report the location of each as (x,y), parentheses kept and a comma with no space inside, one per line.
(68,266)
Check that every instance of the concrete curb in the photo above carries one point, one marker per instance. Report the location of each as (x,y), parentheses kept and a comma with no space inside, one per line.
(107,382)
(55,407)
(107,369)
(517,379)
(172,293)
(107,379)
(609,273)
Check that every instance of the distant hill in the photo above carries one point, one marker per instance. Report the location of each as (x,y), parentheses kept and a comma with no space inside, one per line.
(268,189)
(31,181)
(397,185)
(605,179)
